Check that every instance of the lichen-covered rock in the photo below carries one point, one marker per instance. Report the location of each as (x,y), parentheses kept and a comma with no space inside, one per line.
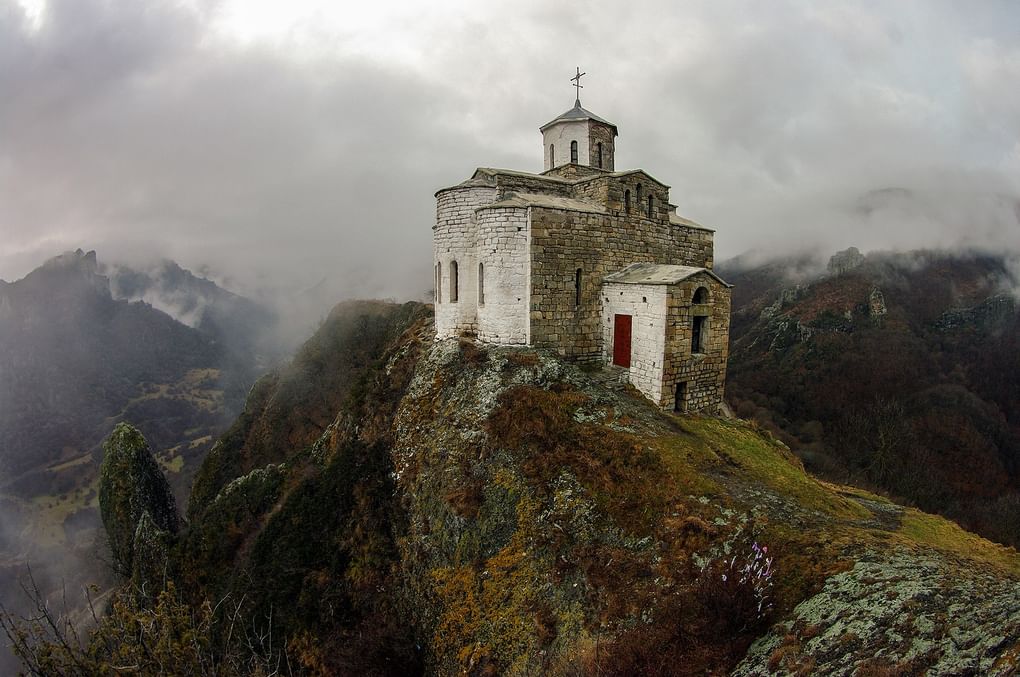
(897,612)
(526,551)
(149,562)
(876,303)
(786,297)
(130,484)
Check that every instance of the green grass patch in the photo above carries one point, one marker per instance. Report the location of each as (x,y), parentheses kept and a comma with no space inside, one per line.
(947,536)
(172,464)
(763,460)
(49,512)
(684,459)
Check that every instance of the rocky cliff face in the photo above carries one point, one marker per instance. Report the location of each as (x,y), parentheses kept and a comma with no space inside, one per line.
(448,507)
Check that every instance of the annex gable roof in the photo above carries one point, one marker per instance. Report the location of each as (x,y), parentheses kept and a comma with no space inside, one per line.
(678,220)
(492,173)
(658,273)
(546,202)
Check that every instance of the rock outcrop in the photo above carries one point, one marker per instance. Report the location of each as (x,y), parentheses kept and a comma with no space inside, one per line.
(134,499)
(845,261)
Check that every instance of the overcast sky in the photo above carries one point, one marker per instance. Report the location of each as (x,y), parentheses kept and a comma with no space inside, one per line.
(302,141)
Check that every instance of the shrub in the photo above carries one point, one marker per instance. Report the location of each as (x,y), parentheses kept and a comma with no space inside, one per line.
(737,593)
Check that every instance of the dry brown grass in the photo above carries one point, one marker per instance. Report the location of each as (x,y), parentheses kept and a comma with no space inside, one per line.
(520,358)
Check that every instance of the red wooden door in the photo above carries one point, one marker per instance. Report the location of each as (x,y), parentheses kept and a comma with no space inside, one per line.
(621,340)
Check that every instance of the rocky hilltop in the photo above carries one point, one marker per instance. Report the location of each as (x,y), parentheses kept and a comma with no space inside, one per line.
(390,504)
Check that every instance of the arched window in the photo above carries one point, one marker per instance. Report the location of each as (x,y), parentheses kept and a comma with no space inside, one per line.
(639,196)
(626,201)
(439,282)
(650,206)
(598,154)
(573,152)
(577,288)
(552,155)
(454,282)
(698,334)
(700,296)
(481,284)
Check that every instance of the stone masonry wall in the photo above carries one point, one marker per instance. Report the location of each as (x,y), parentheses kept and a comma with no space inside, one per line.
(646,304)
(601,133)
(455,239)
(609,192)
(705,372)
(694,244)
(598,244)
(503,251)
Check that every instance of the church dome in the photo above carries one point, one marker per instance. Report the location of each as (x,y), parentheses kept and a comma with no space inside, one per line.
(578,113)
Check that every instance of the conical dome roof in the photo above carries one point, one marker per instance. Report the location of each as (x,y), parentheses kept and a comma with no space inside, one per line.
(578,113)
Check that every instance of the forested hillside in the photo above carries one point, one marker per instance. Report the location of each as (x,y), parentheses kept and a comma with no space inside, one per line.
(900,372)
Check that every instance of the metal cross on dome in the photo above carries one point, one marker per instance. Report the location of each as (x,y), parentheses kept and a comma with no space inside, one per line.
(577,84)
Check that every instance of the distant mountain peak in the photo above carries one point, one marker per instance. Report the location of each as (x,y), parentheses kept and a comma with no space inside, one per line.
(78,258)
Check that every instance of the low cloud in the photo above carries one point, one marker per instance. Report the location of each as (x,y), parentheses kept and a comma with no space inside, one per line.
(309,161)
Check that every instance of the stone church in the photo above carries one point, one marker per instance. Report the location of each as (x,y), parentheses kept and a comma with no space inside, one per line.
(588,261)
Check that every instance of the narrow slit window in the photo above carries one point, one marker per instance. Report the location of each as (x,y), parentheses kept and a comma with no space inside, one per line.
(650,202)
(577,288)
(639,196)
(552,155)
(598,155)
(573,152)
(453,282)
(698,334)
(481,284)
(439,282)
(626,201)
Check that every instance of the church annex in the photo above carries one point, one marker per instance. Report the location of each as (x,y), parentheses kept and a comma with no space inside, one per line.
(588,261)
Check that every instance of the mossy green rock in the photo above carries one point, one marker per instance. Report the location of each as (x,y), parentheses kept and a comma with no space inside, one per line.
(150,554)
(130,485)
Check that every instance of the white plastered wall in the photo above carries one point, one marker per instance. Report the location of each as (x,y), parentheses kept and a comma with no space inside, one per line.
(646,304)
(560,135)
(503,248)
(455,239)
